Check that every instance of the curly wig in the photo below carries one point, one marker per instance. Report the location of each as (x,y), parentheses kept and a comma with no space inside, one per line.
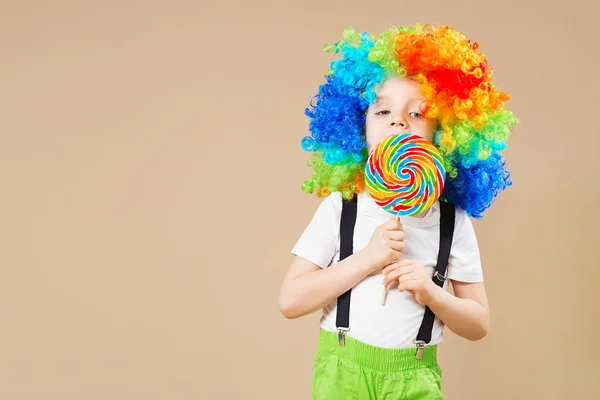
(456,81)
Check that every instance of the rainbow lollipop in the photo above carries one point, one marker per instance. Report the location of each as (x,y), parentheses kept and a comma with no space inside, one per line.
(405,175)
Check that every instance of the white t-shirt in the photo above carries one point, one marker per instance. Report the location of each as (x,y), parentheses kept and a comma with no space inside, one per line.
(396,324)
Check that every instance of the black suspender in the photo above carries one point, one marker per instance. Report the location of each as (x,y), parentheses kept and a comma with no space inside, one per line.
(347,223)
(348,220)
(439,276)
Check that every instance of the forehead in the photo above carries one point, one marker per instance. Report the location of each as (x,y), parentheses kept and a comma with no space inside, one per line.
(399,89)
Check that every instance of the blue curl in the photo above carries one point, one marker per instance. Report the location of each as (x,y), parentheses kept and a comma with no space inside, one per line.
(475,187)
(337,112)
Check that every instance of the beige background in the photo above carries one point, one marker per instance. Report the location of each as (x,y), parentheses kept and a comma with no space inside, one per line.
(150,166)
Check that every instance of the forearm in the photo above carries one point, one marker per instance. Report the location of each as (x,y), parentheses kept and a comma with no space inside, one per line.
(313,290)
(465,317)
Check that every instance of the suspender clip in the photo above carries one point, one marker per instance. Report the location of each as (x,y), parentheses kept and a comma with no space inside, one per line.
(440,278)
(420,349)
(341,336)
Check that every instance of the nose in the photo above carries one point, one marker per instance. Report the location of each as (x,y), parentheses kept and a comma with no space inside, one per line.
(398,121)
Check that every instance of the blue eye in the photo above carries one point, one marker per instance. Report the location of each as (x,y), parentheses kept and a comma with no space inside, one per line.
(382,111)
(416,115)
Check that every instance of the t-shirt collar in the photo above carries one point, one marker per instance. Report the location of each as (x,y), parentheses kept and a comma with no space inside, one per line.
(369,206)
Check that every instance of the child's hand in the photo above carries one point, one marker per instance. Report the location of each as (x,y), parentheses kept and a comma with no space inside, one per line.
(411,276)
(386,245)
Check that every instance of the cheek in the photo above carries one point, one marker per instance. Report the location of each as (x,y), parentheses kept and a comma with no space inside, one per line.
(372,135)
(428,129)
(369,129)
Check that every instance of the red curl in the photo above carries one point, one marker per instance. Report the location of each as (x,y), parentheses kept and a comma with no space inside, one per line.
(455,82)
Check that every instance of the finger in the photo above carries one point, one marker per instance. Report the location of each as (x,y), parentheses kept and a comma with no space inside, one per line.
(411,276)
(395,265)
(399,267)
(396,235)
(400,274)
(395,245)
(408,285)
(393,225)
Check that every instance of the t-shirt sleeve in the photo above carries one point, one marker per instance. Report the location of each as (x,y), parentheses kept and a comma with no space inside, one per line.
(318,243)
(464,264)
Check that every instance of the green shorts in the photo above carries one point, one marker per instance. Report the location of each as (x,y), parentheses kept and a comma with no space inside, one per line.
(361,371)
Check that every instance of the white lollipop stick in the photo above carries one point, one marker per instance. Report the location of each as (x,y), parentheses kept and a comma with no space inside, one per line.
(385,288)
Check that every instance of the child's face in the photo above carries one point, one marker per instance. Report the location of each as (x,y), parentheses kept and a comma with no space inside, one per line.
(398,109)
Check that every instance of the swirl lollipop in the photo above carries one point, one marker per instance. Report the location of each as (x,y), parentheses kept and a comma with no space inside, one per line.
(405,175)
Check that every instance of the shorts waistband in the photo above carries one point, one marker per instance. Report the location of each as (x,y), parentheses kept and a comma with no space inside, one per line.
(374,357)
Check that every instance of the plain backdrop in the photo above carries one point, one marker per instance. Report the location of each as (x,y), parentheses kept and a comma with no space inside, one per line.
(150,166)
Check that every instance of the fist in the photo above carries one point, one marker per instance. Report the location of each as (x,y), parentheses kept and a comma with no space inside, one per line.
(411,276)
(385,246)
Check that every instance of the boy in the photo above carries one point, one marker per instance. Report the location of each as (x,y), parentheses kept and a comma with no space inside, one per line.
(435,84)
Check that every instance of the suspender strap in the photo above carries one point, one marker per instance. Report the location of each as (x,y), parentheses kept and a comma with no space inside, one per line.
(439,276)
(347,222)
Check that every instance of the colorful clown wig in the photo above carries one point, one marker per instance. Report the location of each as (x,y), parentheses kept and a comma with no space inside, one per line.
(456,80)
